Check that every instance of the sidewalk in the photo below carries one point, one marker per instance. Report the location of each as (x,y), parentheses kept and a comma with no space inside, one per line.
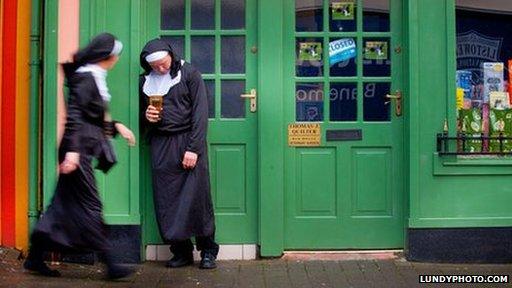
(288,272)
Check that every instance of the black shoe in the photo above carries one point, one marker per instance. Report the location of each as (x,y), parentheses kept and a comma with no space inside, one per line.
(208,262)
(41,268)
(180,261)
(116,271)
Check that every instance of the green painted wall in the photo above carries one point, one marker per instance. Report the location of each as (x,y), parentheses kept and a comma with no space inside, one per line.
(445,192)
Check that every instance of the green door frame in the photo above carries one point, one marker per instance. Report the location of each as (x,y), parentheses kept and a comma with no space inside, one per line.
(49,119)
(272,124)
(271,127)
(231,140)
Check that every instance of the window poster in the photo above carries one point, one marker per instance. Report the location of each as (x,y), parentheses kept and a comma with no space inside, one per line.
(310,51)
(376,50)
(342,50)
(343,10)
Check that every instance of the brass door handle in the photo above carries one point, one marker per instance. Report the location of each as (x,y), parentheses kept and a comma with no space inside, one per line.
(398,104)
(252,98)
(394,96)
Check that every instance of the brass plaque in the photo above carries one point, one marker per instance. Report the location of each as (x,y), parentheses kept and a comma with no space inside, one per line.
(304,135)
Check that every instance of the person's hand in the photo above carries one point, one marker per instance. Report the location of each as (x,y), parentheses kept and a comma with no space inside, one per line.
(126,133)
(152,114)
(70,163)
(189,160)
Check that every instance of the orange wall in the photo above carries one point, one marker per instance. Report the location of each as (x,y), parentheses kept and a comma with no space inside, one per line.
(14,121)
(22,122)
(1,58)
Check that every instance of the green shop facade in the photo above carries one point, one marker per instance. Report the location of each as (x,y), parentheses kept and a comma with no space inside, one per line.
(323,129)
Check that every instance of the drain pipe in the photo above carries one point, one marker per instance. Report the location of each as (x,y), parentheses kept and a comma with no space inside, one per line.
(35,72)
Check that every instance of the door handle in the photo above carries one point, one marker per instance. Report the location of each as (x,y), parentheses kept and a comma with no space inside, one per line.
(398,101)
(252,98)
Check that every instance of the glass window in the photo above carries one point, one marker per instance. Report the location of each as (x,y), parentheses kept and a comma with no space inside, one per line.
(375,105)
(233,54)
(309,57)
(376,15)
(203,14)
(376,57)
(343,102)
(308,15)
(484,60)
(342,16)
(203,53)
(172,14)
(210,92)
(342,57)
(232,105)
(309,100)
(345,56)
(232,14)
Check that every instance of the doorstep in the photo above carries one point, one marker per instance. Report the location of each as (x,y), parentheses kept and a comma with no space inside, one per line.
(226,252)
(342,255)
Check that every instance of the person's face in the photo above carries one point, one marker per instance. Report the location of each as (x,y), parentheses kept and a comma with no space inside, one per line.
(162,66)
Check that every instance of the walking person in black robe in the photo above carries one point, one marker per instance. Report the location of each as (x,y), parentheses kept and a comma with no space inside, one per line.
(74,222)
(179,157)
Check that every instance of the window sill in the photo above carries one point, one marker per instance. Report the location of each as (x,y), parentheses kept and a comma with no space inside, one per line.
(482,165)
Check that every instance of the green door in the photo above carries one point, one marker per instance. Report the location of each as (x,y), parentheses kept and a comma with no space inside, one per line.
(342,61)
(218,38)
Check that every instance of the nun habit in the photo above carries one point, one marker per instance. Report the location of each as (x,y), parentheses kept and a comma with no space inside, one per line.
(183,203)
(74,222)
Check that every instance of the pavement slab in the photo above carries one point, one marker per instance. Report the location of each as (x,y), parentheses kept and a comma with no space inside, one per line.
(292,272)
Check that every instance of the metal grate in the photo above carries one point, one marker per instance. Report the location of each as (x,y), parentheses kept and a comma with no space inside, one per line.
(460,144)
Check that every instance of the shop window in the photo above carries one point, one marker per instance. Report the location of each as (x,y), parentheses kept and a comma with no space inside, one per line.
(484,66)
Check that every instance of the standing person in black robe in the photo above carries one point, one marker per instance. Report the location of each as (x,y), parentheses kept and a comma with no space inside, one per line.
(179,158)
(74,222)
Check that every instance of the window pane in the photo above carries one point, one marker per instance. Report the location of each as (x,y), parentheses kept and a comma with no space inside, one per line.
(309,99)
(375,107)
(172,14)
(376,15)
(483,37)
(343,15)
(342,57)
(233,54)
(203,53)
(309,61)
(233,14)
(377,57)
(343,101)
(308,15)
(232,105)
(484,70)
(203,14)
(177,44)
(210,92)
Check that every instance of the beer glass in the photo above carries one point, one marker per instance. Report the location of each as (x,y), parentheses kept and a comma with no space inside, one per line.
(157,101)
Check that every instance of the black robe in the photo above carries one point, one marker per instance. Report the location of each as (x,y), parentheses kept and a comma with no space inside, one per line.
(183,203)
(74,218)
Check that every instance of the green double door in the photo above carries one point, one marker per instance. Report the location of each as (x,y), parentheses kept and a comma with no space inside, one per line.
(342,59)
(218,38)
